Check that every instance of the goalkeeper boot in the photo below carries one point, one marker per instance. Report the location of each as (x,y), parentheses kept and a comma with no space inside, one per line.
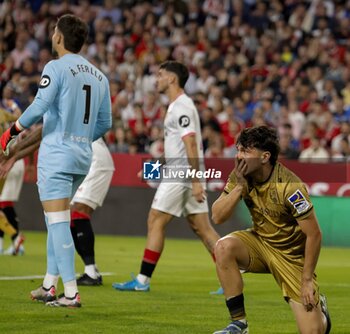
(63,301)
(235,327)
(43,294)
(133,285)
(324,309)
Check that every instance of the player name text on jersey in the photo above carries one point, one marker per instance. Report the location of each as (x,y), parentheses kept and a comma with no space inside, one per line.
(86,69)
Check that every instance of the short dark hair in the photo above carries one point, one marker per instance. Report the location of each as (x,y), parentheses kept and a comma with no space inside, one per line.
(262,138)
(74,31)
(179,69)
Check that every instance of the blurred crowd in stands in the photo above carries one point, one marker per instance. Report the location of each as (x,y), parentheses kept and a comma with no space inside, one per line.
(284,63)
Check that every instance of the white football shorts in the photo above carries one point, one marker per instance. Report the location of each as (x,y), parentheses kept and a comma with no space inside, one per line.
(94,188)
(177,200)
(13,183)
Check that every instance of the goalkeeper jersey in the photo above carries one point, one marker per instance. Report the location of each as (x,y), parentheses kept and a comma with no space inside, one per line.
(74,101)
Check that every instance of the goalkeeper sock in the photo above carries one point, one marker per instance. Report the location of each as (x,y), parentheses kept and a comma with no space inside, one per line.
(149,262)
(70,288)
(50,280)
(84,237)
(63,244)
(52,269)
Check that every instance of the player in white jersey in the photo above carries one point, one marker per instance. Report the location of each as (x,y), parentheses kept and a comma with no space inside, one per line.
(9,190)
(88,197)
(183,145)
(9,195)
(74,101)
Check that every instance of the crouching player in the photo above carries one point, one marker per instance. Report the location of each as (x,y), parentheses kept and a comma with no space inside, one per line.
(285,239)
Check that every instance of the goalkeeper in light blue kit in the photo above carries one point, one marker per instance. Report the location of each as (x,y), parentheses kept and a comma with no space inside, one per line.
(74,101)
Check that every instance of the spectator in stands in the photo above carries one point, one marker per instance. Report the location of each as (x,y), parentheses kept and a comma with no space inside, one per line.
(317,114)
(119,145)
(156,144)
(315,152)
(298,51)
(287,151)
(8,102)
(340,113)
(344,153)
(336,144)
(205,80)
(20,52)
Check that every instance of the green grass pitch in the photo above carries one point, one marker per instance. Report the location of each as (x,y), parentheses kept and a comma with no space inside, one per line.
(179,301)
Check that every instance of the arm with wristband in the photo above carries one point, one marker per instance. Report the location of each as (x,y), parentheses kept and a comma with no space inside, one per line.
(8,138)
(32,115)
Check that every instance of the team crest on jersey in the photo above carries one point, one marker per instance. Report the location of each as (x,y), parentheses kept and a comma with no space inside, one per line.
(184,121)
(273,196)
(44,81)
(299,201)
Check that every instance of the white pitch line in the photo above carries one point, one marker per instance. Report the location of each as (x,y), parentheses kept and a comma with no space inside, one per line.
(340,285)
(19,278)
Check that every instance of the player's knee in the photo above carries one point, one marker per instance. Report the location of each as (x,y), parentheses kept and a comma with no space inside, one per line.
(318,328)
(195,228)
(312,327)
(81,207)
(154,222)
(225,248)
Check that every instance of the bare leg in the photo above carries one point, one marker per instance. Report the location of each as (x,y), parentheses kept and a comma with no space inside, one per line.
(231,255)
(313,322)
(56,205)
(200,225)
(156,223)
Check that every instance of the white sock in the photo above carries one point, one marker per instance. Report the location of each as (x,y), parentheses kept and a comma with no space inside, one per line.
(143,279)
(97,272)
(1,244)
(70,288)
(244,321)
(50,280)
(91,271)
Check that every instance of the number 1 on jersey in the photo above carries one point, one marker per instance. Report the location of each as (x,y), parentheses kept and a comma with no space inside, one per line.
(87,88)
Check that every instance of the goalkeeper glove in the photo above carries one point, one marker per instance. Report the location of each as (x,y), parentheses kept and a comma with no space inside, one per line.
(9,136)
